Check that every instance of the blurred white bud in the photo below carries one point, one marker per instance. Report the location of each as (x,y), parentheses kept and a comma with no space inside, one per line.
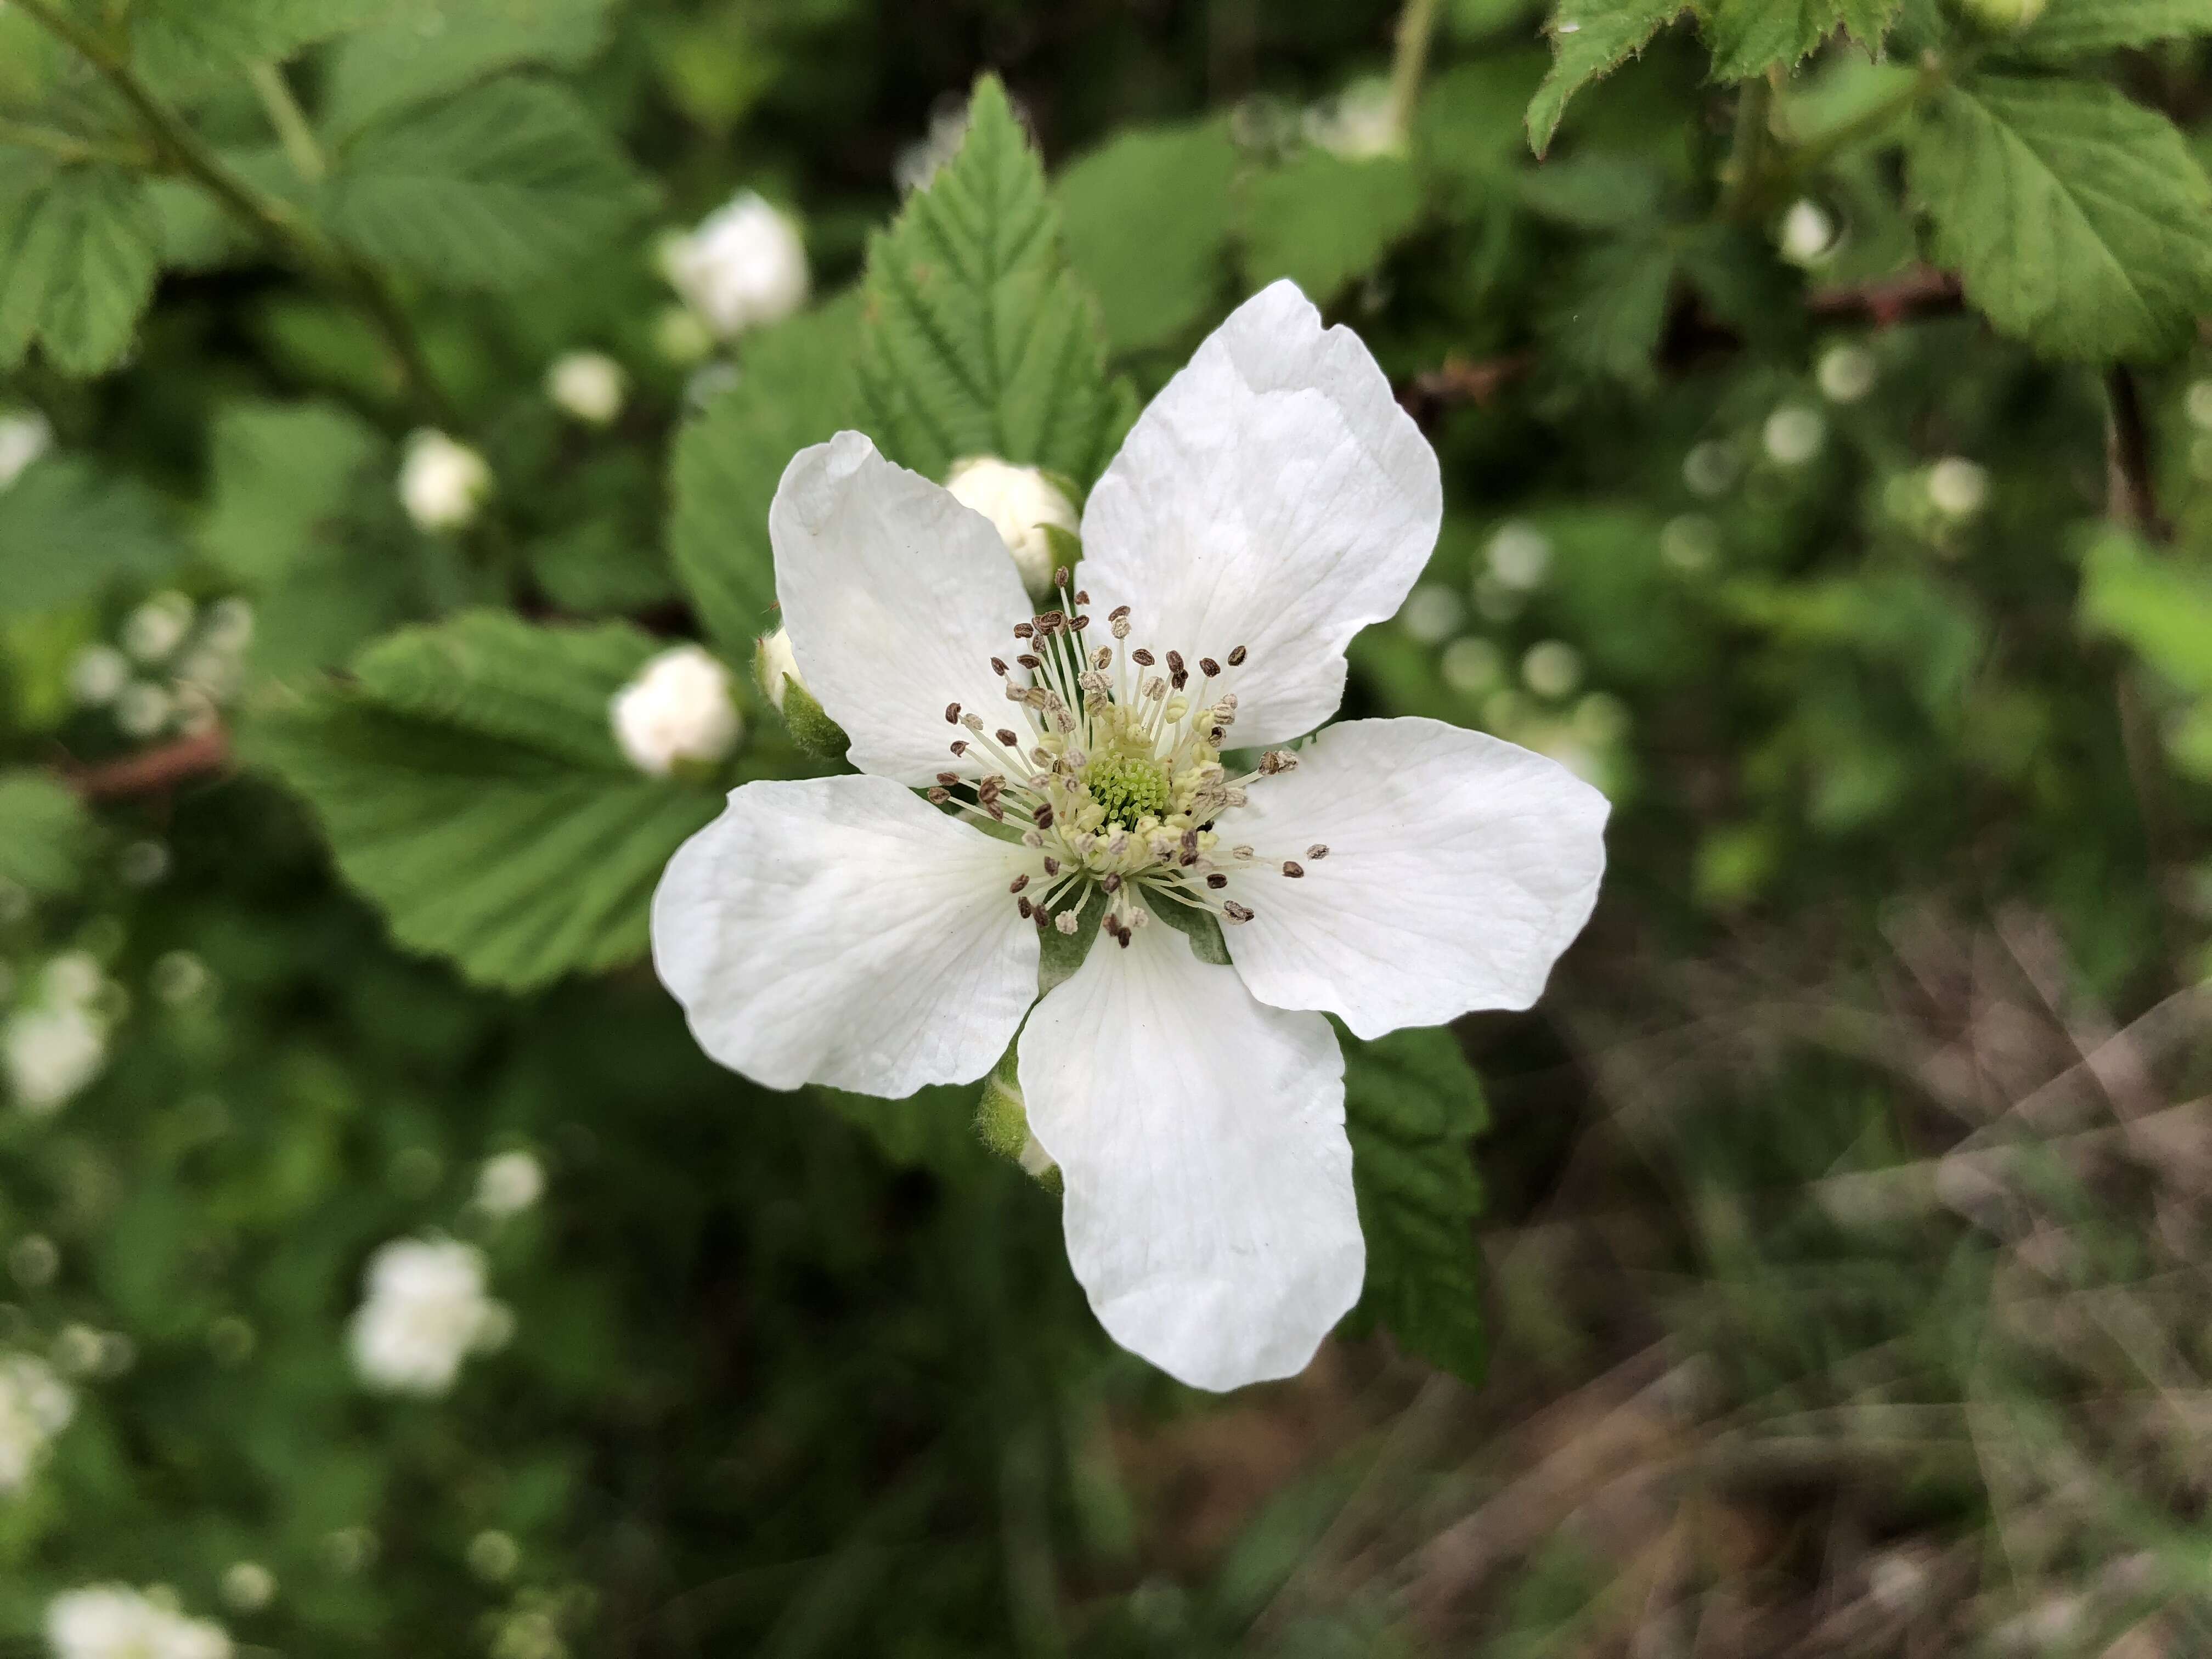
(97,673)
(1520,554)
(1690,542)
(113,1621)
(425,1312)
(143,709)
(1807,233)
(678,712)
(50,1055)
(588,384)
(179,977)
(24,438)
(1847,373)
(2005,14)
(1433,613)
(158,627)
(1024,506)
(74,977)
(1552,668)
(1794,434)
(1359,124)
(509,1183)
(76,1349)
(248,1586)
(494,1556)
(775,662)
(442,484)
(1711,469)
(1472,665)
(1958,487)
(35,1406)
(744,266)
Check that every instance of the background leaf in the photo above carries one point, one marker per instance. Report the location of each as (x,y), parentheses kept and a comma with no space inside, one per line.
(79,247)
(424,49)
(68,531)
(46,833)
(1323,221)
(1589,39)
(2075,28)
(1151,217)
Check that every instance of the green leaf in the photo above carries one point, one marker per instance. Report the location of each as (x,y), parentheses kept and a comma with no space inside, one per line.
(932,1128)
(797,389)
(1590,39)
(191,45)
(1323,221)
(1612,312)
(1150,218)
(68,531)
(2075,28)
(472,789)
(2077,220)
(977,339)
(496,188)
(282,475)
(1412,1104)
(79,247)
(45,834)
(2161,609)
(198,233)
(1749,37)
(425,49)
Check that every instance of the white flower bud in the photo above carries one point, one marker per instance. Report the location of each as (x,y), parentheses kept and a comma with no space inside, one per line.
(1520,554)
(426,1312)
(1847,373)
(1794,434)
(158,627)
(113,1621)
(23,438)
(678,712)
(1807,234)
(588,384)
(248,1586)
(1022,504)
(1958,487)
(773,663)
(442,483)
(50,1055)
(98,674)
(1359,123)
(1552,668)
(509,1184)
(35,1406)
(743,267)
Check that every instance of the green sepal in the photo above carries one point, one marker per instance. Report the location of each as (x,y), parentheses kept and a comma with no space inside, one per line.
(1067,546)
(811,728)
(1194,922)
(1002,1118)
(1059,955)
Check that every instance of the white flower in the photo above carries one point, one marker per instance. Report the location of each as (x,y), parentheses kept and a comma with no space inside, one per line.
(442,483)
(509,1183)
(1359,123)
(426,1312)
(35,1406)
(773,663)
(588,384)
(1958,487)
(24,438)
(743,267)
(1271,502)
(98,674)
(1794,434)
(248,1586)
(113,1621)
(678,712)
(51,1054)
(1807,234)
(158,627)
(1024,506)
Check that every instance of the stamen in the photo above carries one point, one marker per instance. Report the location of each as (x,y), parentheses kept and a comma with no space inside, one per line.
(1017,884)
(1318,850)
(952,714)
(1293,869)
(1236,912)
(1236,658)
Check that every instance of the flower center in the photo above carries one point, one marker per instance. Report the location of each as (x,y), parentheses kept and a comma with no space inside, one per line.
(1114,771)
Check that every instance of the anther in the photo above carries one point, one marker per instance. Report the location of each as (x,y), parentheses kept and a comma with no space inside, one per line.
(1217,882)
(1236,658)
(1174,662)
(1119,613)
(1207,666)
(1236,912)
(1318,850)
(952,714)
(1293,869)
(1276,760)
(1005,737)
(1111,882)
(1025,908)
(1060,577)
(1042,816)
(960,746)
(1051,867)
(1017,884)
(950,780)
(1067,921)
(1142,658)
(1043,918)
(973,723)
(1024,630)
(1102,656)
(938,797)
(1080,623)
(998,665)
(1082,597)
(1029,662)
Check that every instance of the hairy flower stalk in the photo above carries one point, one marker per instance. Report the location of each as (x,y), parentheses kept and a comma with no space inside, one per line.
(1073,765)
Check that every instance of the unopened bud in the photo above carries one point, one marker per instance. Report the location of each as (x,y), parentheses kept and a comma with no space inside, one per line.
(744,267)
(1030,512)
(442,483)
(775,664)
(678,714)
(588,384)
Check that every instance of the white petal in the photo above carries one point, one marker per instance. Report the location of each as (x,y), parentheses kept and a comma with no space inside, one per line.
(897,597)
(838,931)
(1209,1209)
(1459,867)
(1273,496)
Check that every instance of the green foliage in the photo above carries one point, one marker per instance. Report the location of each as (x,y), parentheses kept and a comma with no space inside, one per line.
(68,531)
(471,785)
(1151,218)
(2075,28)
(1750,36)
(2079,220)
(976,337)
(1412,1107)
(189,44)
(495,188)
(797,389)
(419,50)
(1590,39)
(281,473)
(1321,220)
(46,833)
(79,250)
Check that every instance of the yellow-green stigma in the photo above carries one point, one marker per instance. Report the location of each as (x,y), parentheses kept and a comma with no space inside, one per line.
(1128,790)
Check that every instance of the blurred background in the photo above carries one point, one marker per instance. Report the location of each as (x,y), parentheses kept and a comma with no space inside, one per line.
(1843,1237)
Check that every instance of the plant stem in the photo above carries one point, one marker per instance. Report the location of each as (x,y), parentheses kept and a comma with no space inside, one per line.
(1815,154)
(277,222)
(68,147)
(1417,26)
(290,121)
(1743,175)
